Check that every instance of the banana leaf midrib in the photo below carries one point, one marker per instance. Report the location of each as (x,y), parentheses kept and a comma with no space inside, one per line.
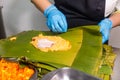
(92,50)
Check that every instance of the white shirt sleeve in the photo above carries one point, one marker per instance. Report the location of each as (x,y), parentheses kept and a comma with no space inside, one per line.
(111,6)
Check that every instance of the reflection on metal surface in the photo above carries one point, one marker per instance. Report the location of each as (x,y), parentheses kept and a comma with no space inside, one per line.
(68,74)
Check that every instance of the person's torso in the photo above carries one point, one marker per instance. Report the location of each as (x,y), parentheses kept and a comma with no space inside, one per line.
(82,12)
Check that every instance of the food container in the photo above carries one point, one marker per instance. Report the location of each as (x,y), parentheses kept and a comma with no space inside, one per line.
(14,60)
(67,73)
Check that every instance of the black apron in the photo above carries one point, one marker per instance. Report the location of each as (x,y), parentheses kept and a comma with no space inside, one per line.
(82,12)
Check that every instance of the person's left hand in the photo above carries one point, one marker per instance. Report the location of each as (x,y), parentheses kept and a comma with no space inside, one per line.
(105,27)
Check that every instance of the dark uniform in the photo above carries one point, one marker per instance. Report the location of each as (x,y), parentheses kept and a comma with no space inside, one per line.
(82,12)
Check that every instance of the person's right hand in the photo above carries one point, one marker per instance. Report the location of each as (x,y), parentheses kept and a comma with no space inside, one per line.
(105,27)
(56,21)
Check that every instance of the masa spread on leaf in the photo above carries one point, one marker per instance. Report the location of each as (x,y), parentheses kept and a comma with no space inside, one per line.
(50,43)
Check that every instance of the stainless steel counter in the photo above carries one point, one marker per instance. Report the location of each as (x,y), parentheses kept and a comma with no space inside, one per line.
(116,68)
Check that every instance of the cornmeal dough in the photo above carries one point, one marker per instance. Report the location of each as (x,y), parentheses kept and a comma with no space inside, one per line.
(50,43)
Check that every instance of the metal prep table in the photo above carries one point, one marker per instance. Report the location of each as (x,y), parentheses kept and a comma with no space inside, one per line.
(116,68)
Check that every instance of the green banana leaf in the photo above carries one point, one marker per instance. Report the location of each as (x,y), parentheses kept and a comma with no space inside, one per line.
(85,54)
(22,47)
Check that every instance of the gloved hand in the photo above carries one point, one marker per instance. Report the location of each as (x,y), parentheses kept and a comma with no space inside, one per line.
(105,27)
(56,21)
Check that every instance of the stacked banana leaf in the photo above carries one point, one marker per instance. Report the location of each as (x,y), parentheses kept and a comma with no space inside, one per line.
(87,54)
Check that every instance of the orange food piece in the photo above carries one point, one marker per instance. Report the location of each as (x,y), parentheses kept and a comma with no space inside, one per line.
(12,71)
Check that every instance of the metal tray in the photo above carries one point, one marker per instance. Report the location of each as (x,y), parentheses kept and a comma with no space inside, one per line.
(67,73)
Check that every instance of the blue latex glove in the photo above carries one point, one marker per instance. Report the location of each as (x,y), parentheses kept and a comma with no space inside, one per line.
(105,27)
(56,21)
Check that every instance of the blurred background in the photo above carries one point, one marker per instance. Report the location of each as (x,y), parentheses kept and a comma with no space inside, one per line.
(21,15)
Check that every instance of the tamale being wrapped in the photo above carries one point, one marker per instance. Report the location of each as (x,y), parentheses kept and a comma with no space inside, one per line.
(83,51)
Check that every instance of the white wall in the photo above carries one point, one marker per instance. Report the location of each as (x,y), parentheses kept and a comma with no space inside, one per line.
(22,15)
(115,37)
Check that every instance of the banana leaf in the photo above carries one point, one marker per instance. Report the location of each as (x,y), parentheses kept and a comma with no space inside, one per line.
(85,54)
